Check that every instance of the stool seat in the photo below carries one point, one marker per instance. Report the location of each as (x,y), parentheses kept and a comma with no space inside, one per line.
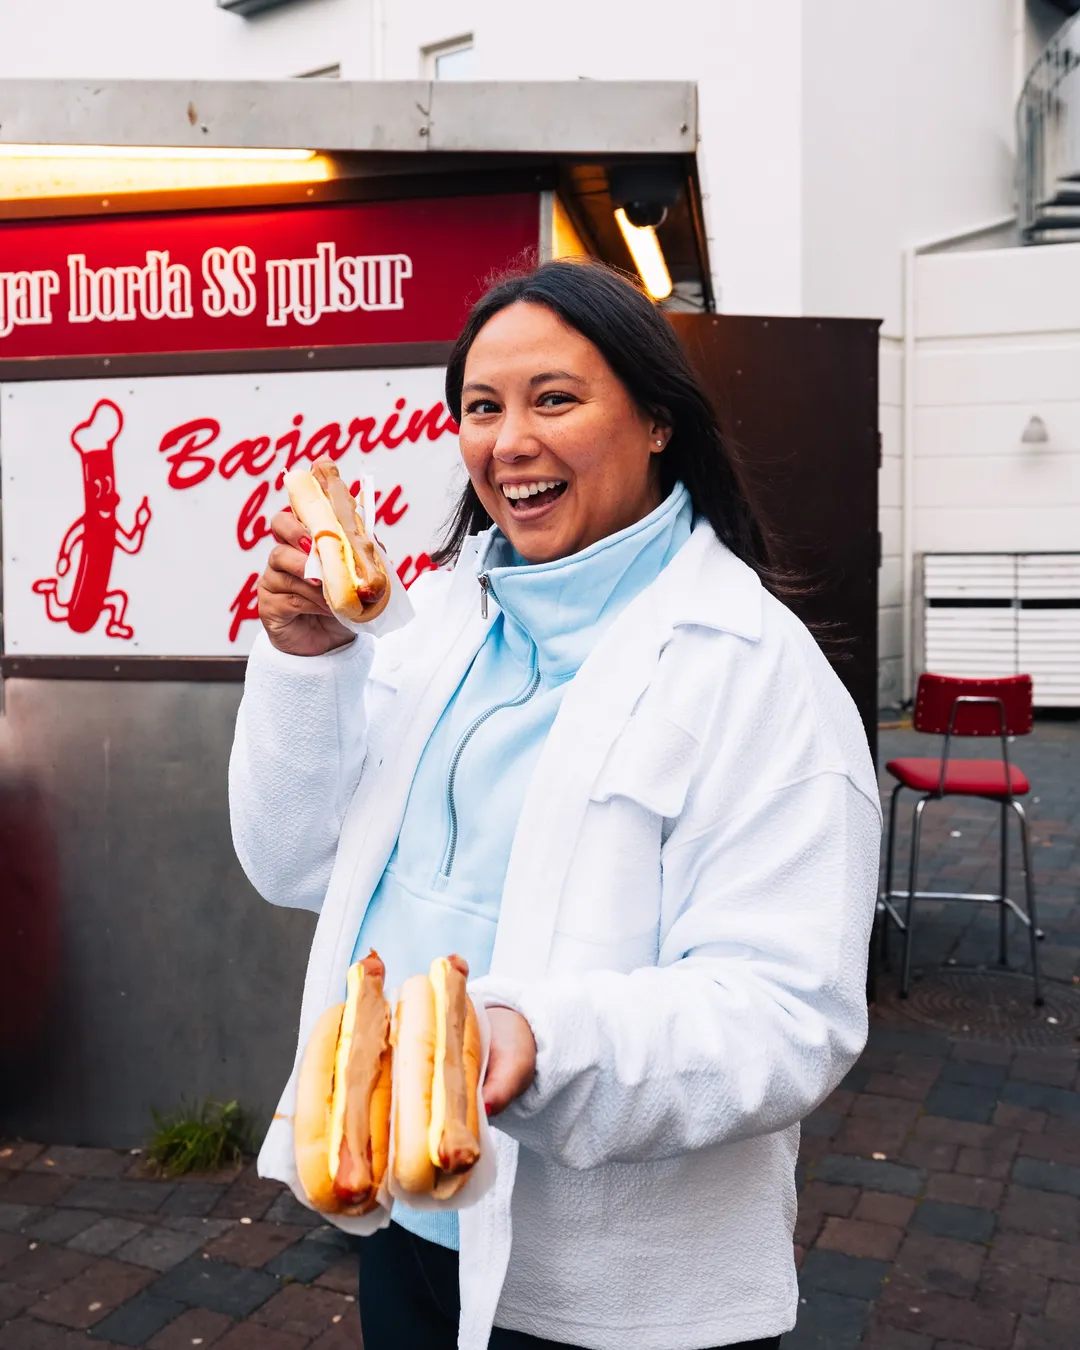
(963,777)
(948,706)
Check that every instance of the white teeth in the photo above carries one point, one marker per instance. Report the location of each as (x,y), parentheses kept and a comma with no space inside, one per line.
(516,491)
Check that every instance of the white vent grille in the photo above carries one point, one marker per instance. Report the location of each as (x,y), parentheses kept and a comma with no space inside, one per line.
(993,614)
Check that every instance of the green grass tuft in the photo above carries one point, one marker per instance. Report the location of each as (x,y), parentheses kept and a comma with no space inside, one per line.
(200,1139)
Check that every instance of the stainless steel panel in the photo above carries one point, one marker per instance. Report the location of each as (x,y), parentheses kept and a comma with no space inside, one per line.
(177,980)
(547,117)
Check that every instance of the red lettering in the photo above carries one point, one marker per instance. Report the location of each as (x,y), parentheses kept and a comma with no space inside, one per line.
(189,468)
(245,606)
(251,528)
(290,441)
(428,421)
(385,513)
(325,442)
(363,427)
(421,565)
(388,439)
(246,455)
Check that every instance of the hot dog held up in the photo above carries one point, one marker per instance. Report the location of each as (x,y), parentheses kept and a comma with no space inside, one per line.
(204,457)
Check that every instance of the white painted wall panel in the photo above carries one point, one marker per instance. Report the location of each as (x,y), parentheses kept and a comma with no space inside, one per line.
(890,372)
(889,632)
(1025,485)
(889,486)
(998,291)
(889,584)
(1027,370)
(891,426)
(889,522)
(984,529)
(988,431)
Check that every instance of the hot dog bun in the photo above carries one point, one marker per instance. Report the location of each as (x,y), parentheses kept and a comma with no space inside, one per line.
(355,581)
(436,1074)
(342,1121)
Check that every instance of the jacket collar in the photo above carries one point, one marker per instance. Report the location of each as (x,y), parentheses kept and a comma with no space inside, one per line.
(711,588)
(703,585)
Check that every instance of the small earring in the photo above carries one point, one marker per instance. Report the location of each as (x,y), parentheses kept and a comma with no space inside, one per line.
(659,442)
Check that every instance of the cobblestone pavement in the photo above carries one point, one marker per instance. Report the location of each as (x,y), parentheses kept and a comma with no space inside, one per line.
(940,1185)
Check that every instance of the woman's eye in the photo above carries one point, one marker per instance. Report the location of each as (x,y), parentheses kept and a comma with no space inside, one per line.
(554,399)
(481,407)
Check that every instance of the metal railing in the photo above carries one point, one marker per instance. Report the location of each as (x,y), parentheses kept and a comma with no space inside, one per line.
(1048,141)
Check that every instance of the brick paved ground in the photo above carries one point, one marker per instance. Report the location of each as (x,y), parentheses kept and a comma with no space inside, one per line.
(939,1210)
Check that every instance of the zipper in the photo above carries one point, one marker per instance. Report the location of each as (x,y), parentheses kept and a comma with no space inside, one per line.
(485,586)
(469,732)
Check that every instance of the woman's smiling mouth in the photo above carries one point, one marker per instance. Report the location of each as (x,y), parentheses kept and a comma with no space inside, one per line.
(530,499)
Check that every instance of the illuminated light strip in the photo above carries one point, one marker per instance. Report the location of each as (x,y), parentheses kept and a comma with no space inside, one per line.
(648,256)
(28,172)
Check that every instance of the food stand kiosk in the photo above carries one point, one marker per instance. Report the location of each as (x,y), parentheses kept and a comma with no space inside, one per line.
(201,286)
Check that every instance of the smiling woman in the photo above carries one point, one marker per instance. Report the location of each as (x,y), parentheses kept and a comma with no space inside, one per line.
(613,772)
(590,370)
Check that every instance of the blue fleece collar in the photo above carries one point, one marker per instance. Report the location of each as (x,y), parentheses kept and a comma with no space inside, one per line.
(561,607)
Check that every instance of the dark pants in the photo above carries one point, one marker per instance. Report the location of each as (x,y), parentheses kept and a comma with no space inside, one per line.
(409,1297)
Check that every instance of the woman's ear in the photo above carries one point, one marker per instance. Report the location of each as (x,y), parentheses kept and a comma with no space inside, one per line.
(659,435)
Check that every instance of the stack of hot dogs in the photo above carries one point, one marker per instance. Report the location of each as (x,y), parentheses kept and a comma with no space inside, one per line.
(365,1071)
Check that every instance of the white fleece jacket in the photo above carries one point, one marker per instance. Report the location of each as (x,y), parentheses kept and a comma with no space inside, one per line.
(684,924)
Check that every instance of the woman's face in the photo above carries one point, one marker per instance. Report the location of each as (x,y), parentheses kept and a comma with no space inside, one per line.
(557,450)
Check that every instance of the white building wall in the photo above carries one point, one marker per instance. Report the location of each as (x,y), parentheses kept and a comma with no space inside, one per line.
(998,341)
(907,135)
(181,39)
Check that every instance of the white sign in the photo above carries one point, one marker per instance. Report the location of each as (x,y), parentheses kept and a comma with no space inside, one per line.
(136,512)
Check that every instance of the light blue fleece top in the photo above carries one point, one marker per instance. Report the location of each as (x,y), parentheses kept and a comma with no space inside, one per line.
(442,887)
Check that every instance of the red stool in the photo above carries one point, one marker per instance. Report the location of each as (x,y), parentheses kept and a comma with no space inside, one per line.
(950,707)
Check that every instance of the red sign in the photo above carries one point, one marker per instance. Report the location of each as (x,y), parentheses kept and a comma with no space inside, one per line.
(297,276)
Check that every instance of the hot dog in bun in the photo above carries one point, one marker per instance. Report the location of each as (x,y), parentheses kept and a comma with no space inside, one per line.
(342,1121)
(436,1072)
(356,582)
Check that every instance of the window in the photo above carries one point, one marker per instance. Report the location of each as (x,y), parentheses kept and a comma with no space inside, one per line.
(453,60)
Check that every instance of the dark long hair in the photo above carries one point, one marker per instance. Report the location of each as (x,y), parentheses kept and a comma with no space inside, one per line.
(641,348)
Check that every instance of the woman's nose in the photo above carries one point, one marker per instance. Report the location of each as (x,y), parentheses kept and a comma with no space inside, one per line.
(515,440)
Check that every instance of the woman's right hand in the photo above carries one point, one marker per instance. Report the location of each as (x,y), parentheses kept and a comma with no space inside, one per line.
(293,610)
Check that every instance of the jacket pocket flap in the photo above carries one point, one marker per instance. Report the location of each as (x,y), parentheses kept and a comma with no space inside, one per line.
(650,762)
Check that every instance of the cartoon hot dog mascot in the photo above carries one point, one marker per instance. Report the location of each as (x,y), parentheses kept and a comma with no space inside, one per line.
(96,535)
(342,1122)
(436,1072)
(355,581)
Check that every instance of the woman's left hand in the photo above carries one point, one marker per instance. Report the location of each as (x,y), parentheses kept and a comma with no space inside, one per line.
(511,1065)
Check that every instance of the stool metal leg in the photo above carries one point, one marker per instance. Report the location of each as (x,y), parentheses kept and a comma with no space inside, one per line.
(1003,929)
(1029,887)
(890,853)
(916,833)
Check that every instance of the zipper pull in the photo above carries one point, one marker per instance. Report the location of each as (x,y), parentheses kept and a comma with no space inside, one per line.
(485,583)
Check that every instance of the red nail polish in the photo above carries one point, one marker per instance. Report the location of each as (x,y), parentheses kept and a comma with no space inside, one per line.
(487,1108)
(287,510)
(305,544)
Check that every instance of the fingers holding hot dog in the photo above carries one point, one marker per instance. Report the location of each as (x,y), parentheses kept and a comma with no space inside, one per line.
(293,611)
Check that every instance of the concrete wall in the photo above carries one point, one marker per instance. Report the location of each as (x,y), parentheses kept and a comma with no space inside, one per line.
(998,340)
